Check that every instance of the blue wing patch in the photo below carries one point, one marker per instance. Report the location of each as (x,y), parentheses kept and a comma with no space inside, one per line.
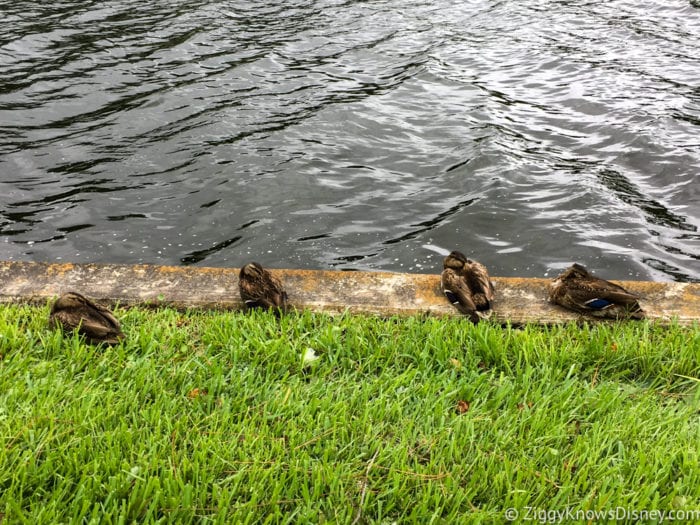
(598,304)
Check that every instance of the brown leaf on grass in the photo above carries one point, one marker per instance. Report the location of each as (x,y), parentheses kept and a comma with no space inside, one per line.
(521,406)
(462,407)
(196,392)
(455,363)
(570,467)
(613,347)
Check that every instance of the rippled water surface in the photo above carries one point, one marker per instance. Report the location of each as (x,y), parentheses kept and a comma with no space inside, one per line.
(353,134)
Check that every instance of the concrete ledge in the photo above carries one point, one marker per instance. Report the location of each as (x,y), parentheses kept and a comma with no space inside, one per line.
(518,300)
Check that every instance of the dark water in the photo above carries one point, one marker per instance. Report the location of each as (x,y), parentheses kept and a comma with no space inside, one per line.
(353,134)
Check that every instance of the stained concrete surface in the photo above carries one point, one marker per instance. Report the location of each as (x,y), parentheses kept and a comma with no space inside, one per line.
(518,300)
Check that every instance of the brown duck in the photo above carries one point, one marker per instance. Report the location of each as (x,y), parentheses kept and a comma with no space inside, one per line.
(260,289)
(577,289)
(73,311)
(467,285)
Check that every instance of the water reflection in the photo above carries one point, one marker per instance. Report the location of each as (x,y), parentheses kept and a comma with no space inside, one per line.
(353,135)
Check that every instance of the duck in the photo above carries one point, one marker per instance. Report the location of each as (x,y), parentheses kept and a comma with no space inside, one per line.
(260,289)
(73,311)
(577,289)
(467,285)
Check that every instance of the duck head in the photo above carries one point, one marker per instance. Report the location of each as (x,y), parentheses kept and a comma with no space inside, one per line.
(69,301)
(455,261)
(575,271)
(252,271)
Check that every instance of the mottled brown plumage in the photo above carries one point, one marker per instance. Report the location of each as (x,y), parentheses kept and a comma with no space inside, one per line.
(73,311)
(578,290)
(260,289)
(467,285)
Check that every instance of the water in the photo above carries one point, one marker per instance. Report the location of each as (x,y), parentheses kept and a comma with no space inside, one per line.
(353,134)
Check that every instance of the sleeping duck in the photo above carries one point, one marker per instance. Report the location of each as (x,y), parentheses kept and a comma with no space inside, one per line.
(73,311)
(467,285)
(576,289)
(259,288)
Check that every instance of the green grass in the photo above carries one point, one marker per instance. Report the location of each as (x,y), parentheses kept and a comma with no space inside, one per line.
(204,416)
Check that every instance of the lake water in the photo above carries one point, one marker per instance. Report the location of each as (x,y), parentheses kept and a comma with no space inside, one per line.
(353,134)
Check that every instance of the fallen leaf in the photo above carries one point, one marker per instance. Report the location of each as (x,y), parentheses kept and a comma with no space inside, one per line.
(570,467)
(456,363)
(462,407)
(196,392)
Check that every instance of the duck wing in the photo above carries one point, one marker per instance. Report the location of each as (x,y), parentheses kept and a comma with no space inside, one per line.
(272,299)
(265,292)
(104,316)
(98,331)
(600,296)
(480,285)
(458,293)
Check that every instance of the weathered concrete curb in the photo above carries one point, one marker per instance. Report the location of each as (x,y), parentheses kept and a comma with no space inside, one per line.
(518,300)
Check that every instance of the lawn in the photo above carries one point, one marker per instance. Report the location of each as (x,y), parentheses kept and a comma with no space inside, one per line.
(226,417)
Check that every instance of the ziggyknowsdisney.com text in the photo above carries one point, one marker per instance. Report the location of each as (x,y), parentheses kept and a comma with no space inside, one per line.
(617,514)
